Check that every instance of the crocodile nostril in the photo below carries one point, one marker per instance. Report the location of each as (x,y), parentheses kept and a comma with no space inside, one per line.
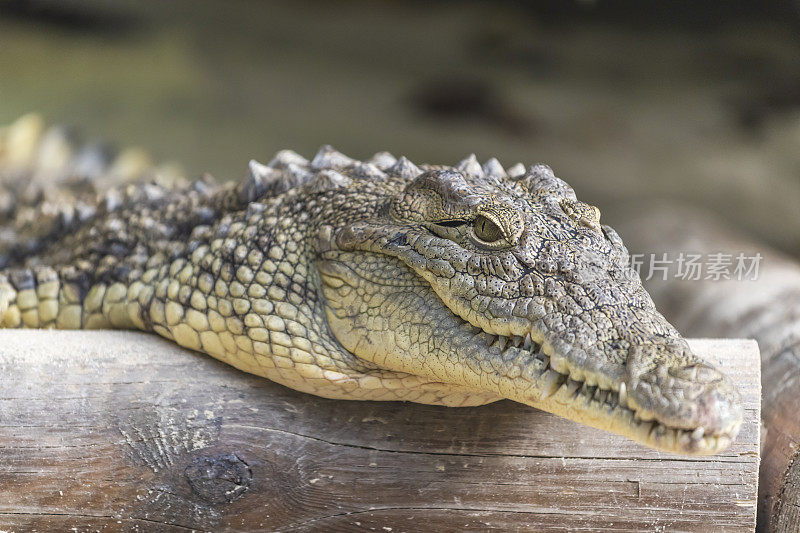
(719,409)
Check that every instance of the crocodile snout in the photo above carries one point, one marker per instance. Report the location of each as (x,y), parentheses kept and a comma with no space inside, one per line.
(670,384)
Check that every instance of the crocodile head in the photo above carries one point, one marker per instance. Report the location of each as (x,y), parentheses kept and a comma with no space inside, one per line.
(506,283)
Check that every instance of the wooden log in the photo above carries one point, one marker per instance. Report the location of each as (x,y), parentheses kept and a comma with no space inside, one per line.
(766,308)
(121,430)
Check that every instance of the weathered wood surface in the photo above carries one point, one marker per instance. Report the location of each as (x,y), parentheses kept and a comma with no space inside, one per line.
(120,431)
(766,309)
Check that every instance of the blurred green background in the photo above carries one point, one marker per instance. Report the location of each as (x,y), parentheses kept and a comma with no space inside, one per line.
(625,100)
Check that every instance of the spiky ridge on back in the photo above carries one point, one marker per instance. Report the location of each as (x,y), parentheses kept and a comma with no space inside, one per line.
(51,185)
(330,169)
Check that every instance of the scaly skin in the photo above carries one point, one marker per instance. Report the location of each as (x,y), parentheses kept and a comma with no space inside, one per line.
(379,280)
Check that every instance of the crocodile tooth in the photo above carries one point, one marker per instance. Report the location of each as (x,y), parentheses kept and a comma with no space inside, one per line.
(405,168)
(492,167)
(382,160)
(517,341)
(572,387)
(645,415)
(501,342)
(516,172)
(603,395)
(623,394)
(286,157)
(546,366)
(328,157)
(527,343)
(551,381)
(470,166)
(698,433)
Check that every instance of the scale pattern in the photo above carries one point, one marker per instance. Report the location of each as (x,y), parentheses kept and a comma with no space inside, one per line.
(371,280)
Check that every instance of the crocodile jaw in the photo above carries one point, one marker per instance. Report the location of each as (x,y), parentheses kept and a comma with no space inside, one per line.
(383,312)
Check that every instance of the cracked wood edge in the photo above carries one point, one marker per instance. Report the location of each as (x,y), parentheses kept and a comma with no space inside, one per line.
(121,430)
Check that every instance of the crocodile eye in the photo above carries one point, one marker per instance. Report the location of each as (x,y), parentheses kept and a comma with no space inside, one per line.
(486,230)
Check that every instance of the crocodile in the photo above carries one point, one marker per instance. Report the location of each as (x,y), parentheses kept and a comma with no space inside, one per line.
(379,279)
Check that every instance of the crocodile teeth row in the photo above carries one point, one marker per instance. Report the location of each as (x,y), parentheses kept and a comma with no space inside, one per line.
(612,399)
(603,395)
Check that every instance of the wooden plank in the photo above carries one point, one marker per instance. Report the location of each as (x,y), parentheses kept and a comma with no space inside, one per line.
(765,307)
(119,430)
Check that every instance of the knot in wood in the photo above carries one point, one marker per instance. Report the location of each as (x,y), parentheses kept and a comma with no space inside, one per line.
(220,479)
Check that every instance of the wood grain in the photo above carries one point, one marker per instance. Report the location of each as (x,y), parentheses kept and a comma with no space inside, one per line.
(766,309)
(119,431)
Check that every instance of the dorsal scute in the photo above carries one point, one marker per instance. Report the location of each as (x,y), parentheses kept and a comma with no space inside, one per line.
(205,185)
(92,161)
(493,168)
(328,157)
(470,166)
(516,171)
(367,171)
(328,179)
(56,150)
(287,157)
(329,169)
(260,180)
(382,160)
(405,169)
(298,174)
(273,179)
